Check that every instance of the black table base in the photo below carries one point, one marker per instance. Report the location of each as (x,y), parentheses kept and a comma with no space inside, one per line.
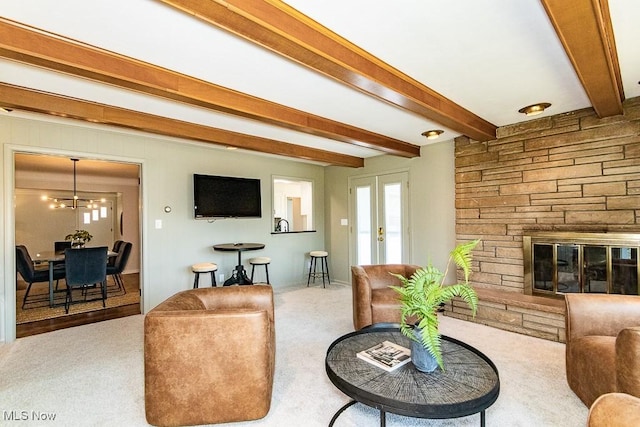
(341,410)
(239,274)
(238,277)
(383,415)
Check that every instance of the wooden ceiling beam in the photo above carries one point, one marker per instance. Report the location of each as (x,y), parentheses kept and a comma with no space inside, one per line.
(284,30)
(585,30)
(37,48)
(19,98)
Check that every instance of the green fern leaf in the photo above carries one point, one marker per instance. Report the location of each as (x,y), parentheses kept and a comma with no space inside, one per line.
(462,257)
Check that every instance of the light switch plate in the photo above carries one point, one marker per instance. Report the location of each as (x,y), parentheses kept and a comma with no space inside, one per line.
(158,224)
(344,221)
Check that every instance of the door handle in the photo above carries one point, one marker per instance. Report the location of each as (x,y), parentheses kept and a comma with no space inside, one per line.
(380,234)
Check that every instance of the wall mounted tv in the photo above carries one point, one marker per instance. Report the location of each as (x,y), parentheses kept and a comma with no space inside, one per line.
(226,197)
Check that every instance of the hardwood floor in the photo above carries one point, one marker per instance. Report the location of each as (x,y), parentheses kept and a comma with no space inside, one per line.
(42,326)
(68,321)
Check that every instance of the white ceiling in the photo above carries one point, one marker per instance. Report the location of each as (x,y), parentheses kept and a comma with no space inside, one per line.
(84,167)
(492,57)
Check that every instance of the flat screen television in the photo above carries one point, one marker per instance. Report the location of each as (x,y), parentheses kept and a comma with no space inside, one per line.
(226,197)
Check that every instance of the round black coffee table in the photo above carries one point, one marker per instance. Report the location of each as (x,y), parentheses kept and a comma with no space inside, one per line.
(469,384)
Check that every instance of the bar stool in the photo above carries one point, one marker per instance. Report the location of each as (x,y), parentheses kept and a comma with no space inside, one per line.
(322,255)
(204,267)
(260,260)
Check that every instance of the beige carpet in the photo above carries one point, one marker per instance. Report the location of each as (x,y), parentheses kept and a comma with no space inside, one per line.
(93,375)
(38,306)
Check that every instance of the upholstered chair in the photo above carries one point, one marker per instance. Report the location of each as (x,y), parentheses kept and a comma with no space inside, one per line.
(116,266)
(615,410)
(603,345)
(209,356)
(85,268)
(31,275)
(373,300)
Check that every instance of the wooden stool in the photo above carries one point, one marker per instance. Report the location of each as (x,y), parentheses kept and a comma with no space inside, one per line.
(204,267)
(323,265)
(261,260)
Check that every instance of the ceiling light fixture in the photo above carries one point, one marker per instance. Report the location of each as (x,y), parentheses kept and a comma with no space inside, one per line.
(433,134)
(76,202)
(532,110)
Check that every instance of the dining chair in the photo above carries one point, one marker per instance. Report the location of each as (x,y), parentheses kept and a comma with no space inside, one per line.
(24,266)
(59,247)
(116,268)
(85,268)
(116,248)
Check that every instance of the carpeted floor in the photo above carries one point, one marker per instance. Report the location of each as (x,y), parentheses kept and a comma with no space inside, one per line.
(37,307)
(93,374)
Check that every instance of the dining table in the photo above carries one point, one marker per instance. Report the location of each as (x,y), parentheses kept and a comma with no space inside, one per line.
(239,274)
(53,258)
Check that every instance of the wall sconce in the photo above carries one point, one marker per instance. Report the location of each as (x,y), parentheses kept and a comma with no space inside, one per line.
(432,134)
(532,110)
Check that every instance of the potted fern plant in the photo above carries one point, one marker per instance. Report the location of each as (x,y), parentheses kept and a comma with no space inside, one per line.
(422,294)
(79,238)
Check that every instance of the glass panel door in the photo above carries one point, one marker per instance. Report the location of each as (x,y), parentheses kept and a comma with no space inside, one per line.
(543,267)
(568,268)
(600,263)
(595,269)
(392,230)
(380,219)
(364,224)
(624,270)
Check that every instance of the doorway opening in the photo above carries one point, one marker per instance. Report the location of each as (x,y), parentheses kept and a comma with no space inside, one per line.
(40,178)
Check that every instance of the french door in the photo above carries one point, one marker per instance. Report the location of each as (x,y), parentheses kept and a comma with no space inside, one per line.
(379,216)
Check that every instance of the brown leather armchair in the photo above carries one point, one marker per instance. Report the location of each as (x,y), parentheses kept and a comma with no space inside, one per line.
(615,410)
(209,356)
(603,345)
(373,300)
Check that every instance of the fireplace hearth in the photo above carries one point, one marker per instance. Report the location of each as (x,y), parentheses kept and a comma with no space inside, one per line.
(556,263)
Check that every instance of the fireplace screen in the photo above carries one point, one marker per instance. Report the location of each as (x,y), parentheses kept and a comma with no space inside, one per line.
(558,263)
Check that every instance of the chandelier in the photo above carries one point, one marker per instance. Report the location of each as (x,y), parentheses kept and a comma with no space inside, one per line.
(76,202)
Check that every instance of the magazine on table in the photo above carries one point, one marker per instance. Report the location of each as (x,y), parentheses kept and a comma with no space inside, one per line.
(386,355)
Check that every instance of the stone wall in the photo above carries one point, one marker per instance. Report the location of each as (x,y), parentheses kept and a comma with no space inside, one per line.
(569,172)
(539,317)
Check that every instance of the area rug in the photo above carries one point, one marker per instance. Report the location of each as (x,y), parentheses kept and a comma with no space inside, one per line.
(38,306)
(108,367)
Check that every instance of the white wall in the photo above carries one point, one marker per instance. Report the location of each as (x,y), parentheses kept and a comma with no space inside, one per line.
(431,206)
(167,169)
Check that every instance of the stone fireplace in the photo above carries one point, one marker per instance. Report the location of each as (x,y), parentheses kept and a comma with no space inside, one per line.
(565,262)
(556,175)
(559,174)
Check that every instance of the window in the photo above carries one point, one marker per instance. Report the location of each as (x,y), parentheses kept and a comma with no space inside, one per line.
(292,205)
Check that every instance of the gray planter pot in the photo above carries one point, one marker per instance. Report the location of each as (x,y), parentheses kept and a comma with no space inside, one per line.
(420,356)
